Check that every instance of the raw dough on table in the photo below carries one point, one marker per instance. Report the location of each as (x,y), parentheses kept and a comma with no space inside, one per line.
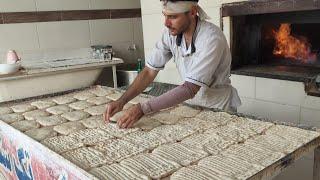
(96,110)
(100,91)
(61,144)
(80,105)
(83,95)
(165,117)
(93,122)
(25,125)
(33,115)
(91,136)
(99,100)
(21,108)
(75,115)
(69,127)
(60,109)
(5,110)
(147,123)
(43,104)
(185,111)
(10,118)
(51,120)
(114,130)
(64,99)
(41,133)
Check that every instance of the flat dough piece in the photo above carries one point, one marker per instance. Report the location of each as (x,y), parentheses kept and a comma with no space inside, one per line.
(11,118)
(146,139)
(197,172)
(197,124)
(165,117)
(43,104)
(83,95)
(180,153)
(117,116)
(5,110)
(93,122)
(64,99)
(100,91)
(51,120)
(254,155)
(117,149)
(185,111)
(41,133)
(115,96)
(75,115)
(112,172)
(230,166)
(60,109)
(147,123)
(33,115)
(68,128)
(96,110)
(21,108)
(91,136)
(99,100)
(114,130)
(80,105)
(173,133)
(219,118)
(139,99)
(25,125)
(251,125)
(152,165)
(61,144)
(86,157)
(211,143)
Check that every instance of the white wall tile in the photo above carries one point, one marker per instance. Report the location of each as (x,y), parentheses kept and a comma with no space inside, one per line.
(245,85)
(280,91)
(53,5)
(214,13)
(310,117)
(114,4)
(111,30)
(274,111)
(311,102)
(65,34)
(152,29)
(138,36)
(151,7)
(18,36)
(17,5)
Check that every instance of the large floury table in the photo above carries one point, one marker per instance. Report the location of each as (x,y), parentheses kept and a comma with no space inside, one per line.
(179,143)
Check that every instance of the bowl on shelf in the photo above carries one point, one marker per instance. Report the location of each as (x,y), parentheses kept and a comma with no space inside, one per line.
(9,68)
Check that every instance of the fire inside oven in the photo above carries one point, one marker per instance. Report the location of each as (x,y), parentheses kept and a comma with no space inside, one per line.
(290,44)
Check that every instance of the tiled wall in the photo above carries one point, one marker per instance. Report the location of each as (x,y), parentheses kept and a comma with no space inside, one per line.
(38,37)
(268,98)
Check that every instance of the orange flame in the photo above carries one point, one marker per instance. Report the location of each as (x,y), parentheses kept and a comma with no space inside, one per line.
(288,46)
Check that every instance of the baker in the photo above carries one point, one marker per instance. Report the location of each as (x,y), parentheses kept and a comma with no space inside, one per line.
(202,57)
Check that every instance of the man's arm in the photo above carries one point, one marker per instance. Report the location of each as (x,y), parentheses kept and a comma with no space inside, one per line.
(144,78)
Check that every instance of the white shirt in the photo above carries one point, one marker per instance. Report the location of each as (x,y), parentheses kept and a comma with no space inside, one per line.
(208,66)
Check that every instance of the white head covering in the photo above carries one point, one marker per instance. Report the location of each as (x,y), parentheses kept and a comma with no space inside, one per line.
(182,7)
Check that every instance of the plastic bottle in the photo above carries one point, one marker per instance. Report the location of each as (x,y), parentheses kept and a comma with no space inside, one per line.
(139,65)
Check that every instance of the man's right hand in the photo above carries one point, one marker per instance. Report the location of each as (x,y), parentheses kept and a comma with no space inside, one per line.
(111,109)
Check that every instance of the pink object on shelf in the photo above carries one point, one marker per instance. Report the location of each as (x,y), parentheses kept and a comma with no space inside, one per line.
(12,57)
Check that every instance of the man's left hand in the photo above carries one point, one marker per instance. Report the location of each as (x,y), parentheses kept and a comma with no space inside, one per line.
(130,116)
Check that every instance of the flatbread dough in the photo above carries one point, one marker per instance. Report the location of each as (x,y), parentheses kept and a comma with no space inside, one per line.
(152,165)
(99,100)
(117,116)
(64,99)
(41,133)
(93,122)
(51,120)
(21,108)
(25,125)
(11,118)
(173,133)
(185,111)
(118,149)
(80,105)
(86,157)
(112,172)
(60,109)
(61,144)
(146,139)
(180,153)
(75,115)
(165,117)
(33,115)
(114,130)
(196,124)
(68,128)
(96,110)
(5,110)
(83,95)
(147,123)
(219,118)
(100,91)
(115,96)
(43,104)
(91,136)
(232,133)
(251,125)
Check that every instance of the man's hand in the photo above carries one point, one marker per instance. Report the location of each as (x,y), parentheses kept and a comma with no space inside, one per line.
(111,109)
(130,116)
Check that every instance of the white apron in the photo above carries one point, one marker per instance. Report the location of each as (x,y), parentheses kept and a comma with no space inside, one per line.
(223,97)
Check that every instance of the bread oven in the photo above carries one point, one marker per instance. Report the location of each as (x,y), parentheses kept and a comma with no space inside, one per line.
(277,39)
